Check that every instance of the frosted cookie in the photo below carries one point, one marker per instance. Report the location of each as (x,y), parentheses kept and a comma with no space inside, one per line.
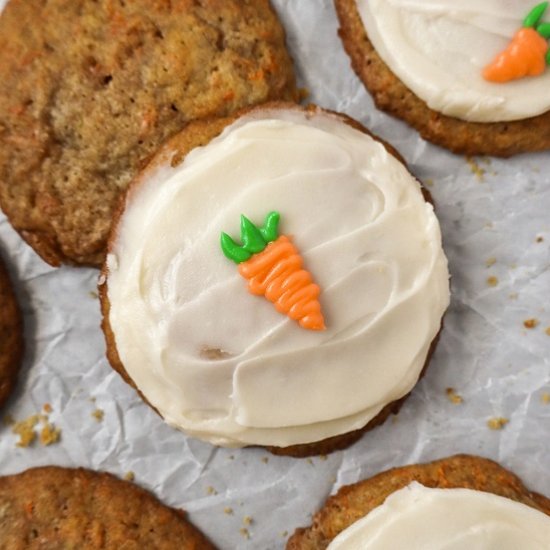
(53,507)
(455,503)
(11,336)
(275,279)
(470,76)
(88,90)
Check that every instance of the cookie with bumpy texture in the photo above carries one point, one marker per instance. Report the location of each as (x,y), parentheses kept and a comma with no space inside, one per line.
(11,336)
(52,507)
(500,138)
(353,502)
(88,90)
(210,334)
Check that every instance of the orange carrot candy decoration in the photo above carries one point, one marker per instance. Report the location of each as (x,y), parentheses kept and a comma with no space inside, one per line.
(273,268)
(528,52)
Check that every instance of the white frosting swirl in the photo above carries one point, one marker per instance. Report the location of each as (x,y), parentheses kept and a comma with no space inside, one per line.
(418,518)
(438,49)
(367,236)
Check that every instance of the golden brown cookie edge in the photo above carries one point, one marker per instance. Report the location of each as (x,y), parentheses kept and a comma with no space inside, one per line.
(11,325)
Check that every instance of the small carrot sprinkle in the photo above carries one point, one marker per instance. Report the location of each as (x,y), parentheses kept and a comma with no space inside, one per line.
(277,274)
(273,268)
(526,55)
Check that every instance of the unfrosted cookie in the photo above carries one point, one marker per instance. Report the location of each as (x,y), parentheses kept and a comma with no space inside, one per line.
(411,507)
(11,336)
(88,90)
(423,62)
(289,341)
(54,507)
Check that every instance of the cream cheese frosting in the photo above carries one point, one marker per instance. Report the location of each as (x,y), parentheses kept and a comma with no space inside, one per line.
(438,49)
(223,364)
(420,518)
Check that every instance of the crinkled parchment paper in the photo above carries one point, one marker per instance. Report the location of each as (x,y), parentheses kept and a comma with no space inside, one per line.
(495,220)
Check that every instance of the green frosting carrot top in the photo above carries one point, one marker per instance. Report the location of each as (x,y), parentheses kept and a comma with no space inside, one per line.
(535,15)
(254,239)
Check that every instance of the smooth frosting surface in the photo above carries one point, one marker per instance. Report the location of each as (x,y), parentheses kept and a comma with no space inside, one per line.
(438,49)
(223,364)
(419,518)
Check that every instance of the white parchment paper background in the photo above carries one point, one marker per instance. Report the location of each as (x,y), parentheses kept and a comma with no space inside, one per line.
(499,367)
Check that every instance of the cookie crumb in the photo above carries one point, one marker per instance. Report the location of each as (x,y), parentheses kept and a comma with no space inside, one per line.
(530,323)
(547,331)
(244,532)
(476,169)
(25,430)
(513,296)
(98,414)
(453,396)
(247,520)
(49,434)
(545,398)
(323,457)
(47,408)
(228,511)
(429,181)
(265,459)
(284,534)
(539,239)
(129,476)
(489,262)
(8,420)
(211,491)
(93,294)
(492,281)
(497,423)
(309,461)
